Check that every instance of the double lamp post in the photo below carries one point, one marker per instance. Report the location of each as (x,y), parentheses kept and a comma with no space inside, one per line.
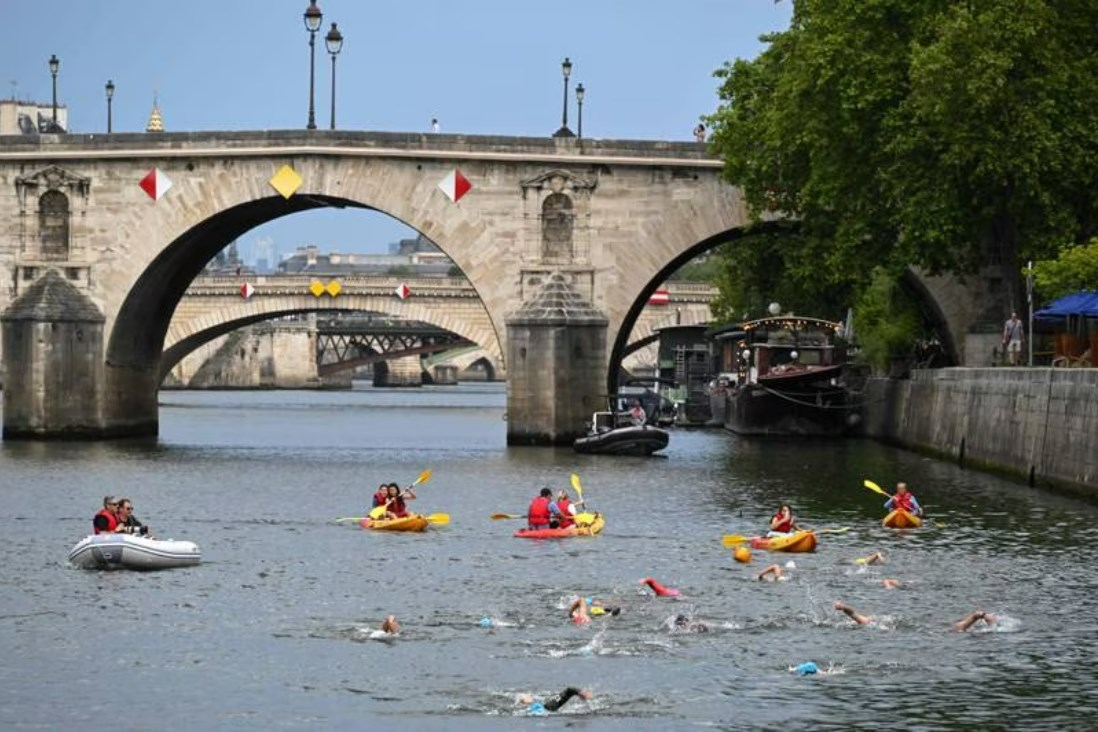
(566,71)
(334,43)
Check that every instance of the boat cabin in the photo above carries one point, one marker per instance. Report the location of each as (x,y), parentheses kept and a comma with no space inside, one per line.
(781,345)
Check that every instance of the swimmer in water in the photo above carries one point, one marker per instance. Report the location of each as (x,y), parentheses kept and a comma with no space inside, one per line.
(972,618)
(891,584)
(390,625)
(852,613)
(578,611)
(874,558)
(683,624)
(551,705)
(773,573)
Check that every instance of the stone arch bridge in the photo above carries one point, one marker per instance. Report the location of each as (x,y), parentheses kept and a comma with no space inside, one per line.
(563,240)
(214,305)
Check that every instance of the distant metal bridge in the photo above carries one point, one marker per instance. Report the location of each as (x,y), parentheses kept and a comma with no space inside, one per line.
(356,340)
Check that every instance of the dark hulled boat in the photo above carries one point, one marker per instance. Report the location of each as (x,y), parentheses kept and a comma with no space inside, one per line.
(790,381)
(612,434)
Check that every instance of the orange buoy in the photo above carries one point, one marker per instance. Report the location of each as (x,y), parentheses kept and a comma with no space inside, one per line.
(742,554)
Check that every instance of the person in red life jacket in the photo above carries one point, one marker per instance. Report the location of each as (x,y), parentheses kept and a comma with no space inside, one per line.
(381,495)
(106,520)
(782,522)
(396,507)
(567,510)
(903,500)
(540,513)
(578,611)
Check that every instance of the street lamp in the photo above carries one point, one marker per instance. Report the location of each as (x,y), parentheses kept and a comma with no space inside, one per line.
(579,114)
(313,18)
(55,66)
(566,70)
(110,96)
(334,42)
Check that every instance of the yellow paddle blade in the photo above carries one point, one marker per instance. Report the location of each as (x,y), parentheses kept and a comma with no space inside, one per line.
(733,539)
(577,486)
(875,488)
(439,518)
(496,516)
(423,477)
(377,512)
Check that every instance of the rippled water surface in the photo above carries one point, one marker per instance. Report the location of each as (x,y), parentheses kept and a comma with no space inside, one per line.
(273,629)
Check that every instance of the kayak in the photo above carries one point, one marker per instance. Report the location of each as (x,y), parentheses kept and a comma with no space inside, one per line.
(798,541)
(900,519)
(594,528)
(411,522)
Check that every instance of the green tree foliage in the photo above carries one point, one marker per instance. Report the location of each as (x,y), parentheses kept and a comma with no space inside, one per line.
(886,323)
(1076,268)
(936,133)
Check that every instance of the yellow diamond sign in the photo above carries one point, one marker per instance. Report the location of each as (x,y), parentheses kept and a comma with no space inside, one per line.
(316,288)
(286,181)
(334,288)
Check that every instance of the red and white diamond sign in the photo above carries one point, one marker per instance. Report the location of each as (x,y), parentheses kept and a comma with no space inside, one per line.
(403,291)
(246,290)
(455,185)
(156,184)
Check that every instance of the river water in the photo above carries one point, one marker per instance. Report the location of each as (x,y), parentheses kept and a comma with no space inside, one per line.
(272,630)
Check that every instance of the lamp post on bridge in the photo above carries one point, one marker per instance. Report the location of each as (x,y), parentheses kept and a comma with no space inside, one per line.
(580,92)
(110,97)
(334,43)
(55,66)
(566,70)
(313,18)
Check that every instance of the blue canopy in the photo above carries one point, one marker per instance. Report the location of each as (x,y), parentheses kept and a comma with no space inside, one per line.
(1077,303)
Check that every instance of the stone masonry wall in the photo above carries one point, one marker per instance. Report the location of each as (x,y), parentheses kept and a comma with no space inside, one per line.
(1038,424)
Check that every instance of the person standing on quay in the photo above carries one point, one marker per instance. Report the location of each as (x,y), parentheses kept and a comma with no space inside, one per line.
(1012,338)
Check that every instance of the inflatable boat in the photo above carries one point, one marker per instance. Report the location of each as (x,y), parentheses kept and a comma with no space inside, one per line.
(124,551)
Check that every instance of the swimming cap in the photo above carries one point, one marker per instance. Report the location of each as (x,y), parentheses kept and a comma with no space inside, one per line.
(537,709)
(806,668)
(485,622)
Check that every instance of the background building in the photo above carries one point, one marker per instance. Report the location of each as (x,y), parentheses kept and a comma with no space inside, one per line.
(30,118)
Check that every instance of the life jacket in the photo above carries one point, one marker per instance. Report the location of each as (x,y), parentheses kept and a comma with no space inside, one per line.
(397,507)
(112,522)
(565,515)
(538,515)
(380,497)
(784,527)
(903,502)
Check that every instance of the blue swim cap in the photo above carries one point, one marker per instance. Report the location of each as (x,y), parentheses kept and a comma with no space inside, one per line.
(485,622)
(537,709)
(806,668)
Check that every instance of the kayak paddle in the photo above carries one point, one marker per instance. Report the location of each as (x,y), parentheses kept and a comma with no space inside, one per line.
(581,518)
(733,539)
(438,518)
(379,511)
(875,488)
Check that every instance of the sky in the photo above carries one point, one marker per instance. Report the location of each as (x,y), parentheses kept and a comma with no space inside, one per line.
(479,66)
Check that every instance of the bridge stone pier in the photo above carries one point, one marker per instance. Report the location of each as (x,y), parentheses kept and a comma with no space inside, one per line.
(612,218)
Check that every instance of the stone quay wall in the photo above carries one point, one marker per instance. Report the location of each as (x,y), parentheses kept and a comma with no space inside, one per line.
(1039,424)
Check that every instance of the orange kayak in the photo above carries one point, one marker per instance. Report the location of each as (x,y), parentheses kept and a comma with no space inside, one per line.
(798,541)
(411,522)
(900,519)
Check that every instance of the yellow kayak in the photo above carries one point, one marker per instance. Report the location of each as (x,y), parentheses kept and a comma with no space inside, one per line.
(900,519)
(798,541)
(411,522)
